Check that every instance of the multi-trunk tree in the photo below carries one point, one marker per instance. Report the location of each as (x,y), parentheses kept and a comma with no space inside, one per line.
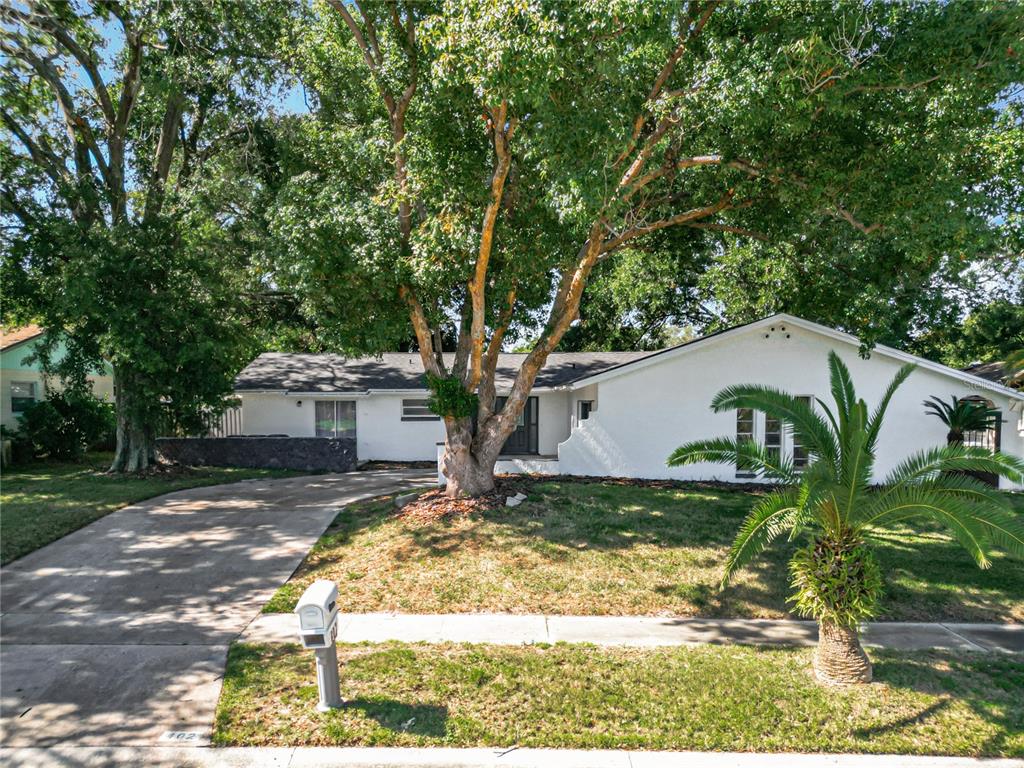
(470,164)
(119,205)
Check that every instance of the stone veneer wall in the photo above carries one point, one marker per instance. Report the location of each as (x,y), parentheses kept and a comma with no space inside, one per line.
(304,453)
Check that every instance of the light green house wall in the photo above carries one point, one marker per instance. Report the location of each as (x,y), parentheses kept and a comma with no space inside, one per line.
(15,369)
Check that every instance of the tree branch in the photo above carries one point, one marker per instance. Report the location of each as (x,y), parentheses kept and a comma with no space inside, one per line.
(421,327)
(665,73)
(50,24)
(502,129)
(681,218)
(487,380)
(164,155)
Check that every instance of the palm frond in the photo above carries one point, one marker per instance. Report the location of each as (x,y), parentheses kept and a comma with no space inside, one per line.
(935,406)
(828,413)
(857,464)
(842,388)
(875,422)
(745,454)
(928,464)
(962,414)
(1004,529)
(809,427)
(769,518)
(970,488)
(962,518)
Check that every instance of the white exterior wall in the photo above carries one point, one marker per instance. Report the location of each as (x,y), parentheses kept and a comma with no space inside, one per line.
(278,414)
(552,421)
(380,432)
(646,413)
(584,393)
(382,435)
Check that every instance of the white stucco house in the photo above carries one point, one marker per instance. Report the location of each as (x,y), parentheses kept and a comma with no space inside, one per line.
(617,414)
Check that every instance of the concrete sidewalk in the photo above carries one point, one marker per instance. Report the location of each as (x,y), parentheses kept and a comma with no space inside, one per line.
(370,757)
(639,631)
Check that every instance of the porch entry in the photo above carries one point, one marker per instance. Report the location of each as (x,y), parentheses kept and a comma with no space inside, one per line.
(524,440)
(989,439)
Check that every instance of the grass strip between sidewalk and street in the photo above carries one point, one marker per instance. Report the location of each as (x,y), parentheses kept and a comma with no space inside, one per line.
(579,696)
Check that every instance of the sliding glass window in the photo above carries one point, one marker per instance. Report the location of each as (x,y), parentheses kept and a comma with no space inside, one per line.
(336,418)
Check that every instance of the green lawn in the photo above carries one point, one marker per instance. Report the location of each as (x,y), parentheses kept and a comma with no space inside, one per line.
(605,548)
(697,698)
(44,501)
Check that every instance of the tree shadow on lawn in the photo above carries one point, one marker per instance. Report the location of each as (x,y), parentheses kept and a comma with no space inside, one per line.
(990,684)
(400,717)
(928,577)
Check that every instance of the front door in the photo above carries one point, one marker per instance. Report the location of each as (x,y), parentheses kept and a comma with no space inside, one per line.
(524,439)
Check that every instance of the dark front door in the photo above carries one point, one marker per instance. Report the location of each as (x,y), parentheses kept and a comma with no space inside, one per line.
(524,439)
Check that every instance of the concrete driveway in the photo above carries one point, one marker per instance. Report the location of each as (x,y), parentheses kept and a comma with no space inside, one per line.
(118,633)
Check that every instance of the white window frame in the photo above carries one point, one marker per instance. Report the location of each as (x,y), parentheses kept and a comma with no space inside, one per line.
(786,445)
(337,405)
(793,445)
(416,409)
(745,434)
(579,409)
(33,388)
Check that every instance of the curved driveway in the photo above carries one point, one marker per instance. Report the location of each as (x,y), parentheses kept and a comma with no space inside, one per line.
(118,633)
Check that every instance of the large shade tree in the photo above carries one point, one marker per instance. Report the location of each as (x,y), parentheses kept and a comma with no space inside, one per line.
(471,164)
(125,125)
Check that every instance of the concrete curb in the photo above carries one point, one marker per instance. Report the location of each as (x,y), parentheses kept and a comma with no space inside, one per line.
(635,631)
(371,757)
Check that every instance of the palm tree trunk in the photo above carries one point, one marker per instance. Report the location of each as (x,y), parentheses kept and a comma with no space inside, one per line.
(839,659)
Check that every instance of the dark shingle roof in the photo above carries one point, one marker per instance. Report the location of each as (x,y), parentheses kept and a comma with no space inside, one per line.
(399,370)
(992,371)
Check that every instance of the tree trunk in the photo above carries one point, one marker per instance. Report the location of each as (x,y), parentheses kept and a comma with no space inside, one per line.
(136,446)
(839,659)
(469,459)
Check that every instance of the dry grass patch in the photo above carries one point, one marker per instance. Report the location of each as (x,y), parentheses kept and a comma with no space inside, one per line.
(699,698)
(609,548)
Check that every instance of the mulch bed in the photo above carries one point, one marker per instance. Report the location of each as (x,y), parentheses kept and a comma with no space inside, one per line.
(369,465)
(639,482)
(434,505)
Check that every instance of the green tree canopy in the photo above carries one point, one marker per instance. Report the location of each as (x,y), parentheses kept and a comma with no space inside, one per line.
(469,165)
(127,131)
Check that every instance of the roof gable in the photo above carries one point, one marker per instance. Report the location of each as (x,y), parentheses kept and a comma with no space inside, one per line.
(12,337)
(823,330)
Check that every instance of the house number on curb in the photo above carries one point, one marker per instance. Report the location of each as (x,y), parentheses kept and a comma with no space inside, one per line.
(181,736)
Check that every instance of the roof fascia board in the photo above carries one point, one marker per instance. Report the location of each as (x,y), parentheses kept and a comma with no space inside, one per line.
(807,325)
(371,392)
(906,357)
(669,354)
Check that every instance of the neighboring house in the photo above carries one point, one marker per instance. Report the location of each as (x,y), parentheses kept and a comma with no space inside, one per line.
(22,380)
(617,414)
(999,372)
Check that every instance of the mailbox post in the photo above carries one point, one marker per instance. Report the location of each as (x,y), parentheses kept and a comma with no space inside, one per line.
(318,629)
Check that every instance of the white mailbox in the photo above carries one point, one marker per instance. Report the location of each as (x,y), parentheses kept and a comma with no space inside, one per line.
(318,615)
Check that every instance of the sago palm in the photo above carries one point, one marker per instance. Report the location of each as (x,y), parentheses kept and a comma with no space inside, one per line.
(961,416)
(835,578)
